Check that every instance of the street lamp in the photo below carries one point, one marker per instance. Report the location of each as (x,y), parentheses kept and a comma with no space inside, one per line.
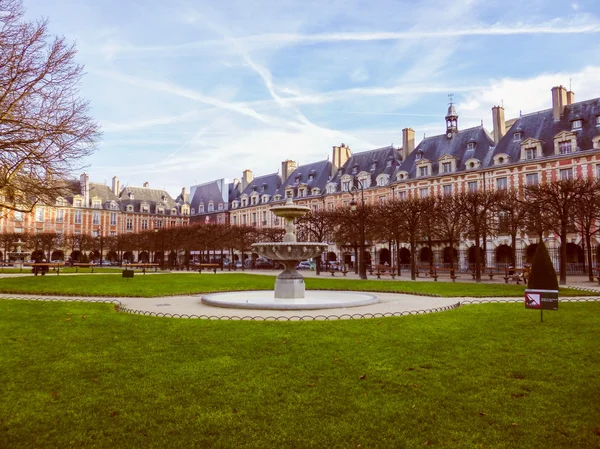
(362,269)
(158,221)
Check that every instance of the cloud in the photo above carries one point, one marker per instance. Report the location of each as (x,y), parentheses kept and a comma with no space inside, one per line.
(359,75)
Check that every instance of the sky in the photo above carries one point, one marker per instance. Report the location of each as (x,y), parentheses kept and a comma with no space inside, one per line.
(191,91)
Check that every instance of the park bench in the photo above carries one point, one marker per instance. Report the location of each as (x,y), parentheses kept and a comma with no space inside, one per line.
(43,267)
(383,270)
(424,270)
(344,270)
(517,275)
(83,265)
(208,266)
(442,270)
(143,266)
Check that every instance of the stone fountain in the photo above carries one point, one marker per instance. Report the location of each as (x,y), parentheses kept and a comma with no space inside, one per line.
(289,291)
(290,283)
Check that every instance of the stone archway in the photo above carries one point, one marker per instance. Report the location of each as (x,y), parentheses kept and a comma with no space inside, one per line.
(144,257)
(450,256)
(471,256)
(128,257)
(57,255)
(404,256)
(425,255)
(504,257)
(385,257)
(331,256)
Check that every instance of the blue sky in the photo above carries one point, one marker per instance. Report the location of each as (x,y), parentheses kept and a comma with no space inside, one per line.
(190,91)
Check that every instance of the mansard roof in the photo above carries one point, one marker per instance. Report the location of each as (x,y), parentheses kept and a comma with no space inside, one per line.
(374,162)
(541,126)
(213,190)
(433,148)
(103,192)
(263,185)
(146,195)
(320,172)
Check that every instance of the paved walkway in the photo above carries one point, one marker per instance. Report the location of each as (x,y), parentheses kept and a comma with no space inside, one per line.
(389,304)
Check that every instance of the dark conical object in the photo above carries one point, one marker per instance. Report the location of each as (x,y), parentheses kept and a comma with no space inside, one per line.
(543,275)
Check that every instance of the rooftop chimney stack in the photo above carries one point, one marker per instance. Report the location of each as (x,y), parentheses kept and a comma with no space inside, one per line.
(287,168)
(247,178)
(84,184)
(408,142)
(341,155)
(146,184)
(559,101)
(116,185)
(570,97)
(184,195)
(498,123)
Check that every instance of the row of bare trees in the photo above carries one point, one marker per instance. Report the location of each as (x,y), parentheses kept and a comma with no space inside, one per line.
(562,208)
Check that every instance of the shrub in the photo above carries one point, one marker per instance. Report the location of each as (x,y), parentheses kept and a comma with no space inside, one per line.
(543,275)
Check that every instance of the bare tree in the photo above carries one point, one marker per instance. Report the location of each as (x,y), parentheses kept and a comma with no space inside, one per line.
(317,226)
(450,223)
(512,217)
(587,213)
(45,129)
(558,199)
(476,208)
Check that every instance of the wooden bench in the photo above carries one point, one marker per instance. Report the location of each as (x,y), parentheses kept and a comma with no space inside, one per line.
(424,270)
(44,267)
(383,270)
(517,275)
(442,270)
(343,270)
(208,266)
(143,266)
(83,265)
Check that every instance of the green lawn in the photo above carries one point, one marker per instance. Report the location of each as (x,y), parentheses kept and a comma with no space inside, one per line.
(181,284)
(27,270)
(493,376)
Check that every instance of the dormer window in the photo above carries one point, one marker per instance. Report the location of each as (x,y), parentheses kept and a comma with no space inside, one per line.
(254,188)
(530,153)
(331,188)
(173,211)
(130,208)
(161,210)
(264,187)
(598,120)
(373,166)
(265,199)
(60,202)
(419,155)
(576,124)
(388,163)
(355,170)
(234,204)
(446,167)
(277,197)
(193,211)
(423,171)
(164,197)
(346,186)
(518,136)
(145,208)
(471,145)
(211,207)
(96,204)
(501,158)
(114,206)
(311,176)
(340,172)
(565,147)
(401,175)
(472,163)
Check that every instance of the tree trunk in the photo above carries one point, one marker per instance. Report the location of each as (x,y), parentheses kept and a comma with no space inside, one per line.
(477,259)
(563,256)
(588,242)
(413,274)
(398,260)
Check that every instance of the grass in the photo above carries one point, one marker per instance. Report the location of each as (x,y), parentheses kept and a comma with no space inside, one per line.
(182,284)
(27,270)
(493,376)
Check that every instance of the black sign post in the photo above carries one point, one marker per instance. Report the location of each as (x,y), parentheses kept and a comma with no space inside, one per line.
(542,300)
(128,273)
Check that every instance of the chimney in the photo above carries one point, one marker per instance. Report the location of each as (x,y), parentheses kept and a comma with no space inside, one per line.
(116,185)
(498,123)
(408,142)
(570,97)
(184,195)
(559,101)
(84,184)
(341,155)
(247,178)
(146,184)
(287,168)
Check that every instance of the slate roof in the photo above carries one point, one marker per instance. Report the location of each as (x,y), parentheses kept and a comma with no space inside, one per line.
(433,148)
(266,184)
(372,161)
(312,175)
(541,126)
(213,190)
(104,192)
(153,197)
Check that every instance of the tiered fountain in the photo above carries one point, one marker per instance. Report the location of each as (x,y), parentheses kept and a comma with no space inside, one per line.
(289,286)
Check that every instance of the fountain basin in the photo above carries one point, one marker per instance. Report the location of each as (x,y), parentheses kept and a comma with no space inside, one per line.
(312,300)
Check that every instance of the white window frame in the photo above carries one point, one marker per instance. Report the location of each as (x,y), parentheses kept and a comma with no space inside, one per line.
(502,183)
(530,153)
(447,189)
(565,174)
(530,177)
(472,186)
(577,124)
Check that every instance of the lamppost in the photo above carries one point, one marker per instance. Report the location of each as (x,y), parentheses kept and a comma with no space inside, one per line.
(158,221)
(362,269)
(101,242)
